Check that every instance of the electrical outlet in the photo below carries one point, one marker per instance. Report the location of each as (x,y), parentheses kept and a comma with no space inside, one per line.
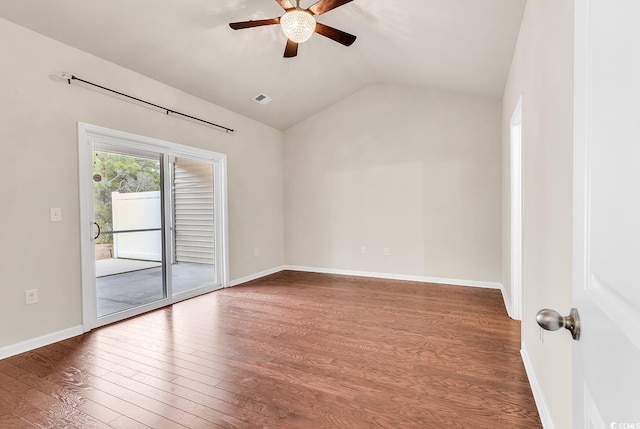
(55,214)
(256,252)
(363,250)
(387,251)
(31,296)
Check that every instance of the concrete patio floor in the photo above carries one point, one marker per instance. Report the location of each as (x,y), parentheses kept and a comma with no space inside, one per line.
(128,290)
(109,267)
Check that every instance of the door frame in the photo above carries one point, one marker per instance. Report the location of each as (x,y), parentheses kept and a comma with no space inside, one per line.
(87,134)
(516,205)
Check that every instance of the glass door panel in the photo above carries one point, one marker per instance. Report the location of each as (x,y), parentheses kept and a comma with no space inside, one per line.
(129,252)
(193,227)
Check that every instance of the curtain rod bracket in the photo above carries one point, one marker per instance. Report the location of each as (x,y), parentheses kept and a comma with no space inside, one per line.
(67,77)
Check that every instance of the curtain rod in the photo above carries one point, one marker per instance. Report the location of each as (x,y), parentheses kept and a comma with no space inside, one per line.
(69,77)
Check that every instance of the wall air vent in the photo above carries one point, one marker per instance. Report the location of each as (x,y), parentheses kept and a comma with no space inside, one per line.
(262,99)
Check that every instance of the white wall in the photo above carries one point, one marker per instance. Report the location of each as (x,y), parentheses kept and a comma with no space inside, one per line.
(542,70)
(38,138)
(414,170)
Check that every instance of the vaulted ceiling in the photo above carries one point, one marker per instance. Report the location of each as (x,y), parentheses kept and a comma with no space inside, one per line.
(461,45)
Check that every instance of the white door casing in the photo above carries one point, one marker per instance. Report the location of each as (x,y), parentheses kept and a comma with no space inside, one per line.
(606,249)
(515,139)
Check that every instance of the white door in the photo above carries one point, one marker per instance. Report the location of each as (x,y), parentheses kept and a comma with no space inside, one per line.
(606,287)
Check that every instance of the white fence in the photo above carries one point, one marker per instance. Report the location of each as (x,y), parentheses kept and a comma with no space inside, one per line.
(132,211)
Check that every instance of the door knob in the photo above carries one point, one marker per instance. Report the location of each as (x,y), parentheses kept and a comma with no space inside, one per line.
(551,320)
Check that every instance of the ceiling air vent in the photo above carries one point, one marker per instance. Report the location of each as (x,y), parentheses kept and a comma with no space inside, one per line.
(262,99)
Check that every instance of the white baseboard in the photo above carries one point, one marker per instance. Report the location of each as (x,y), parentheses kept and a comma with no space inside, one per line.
(34,343)
(422,279)
(256,276)
(538,394)
(45,340)
(507,301)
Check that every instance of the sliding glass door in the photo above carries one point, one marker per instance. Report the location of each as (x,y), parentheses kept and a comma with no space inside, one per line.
(156,220)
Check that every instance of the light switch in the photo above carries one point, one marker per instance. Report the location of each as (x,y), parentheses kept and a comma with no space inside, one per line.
(56,214)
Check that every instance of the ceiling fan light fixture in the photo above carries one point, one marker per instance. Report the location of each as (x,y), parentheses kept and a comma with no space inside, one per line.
(298,25)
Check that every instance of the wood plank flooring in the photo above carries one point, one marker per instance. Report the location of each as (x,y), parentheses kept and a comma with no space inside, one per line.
(292,350)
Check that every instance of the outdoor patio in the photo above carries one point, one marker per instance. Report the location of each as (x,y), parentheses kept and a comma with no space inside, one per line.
(122,284)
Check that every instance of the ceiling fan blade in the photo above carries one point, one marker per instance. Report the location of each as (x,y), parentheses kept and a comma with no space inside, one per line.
(323,6)
(334,34)
(256,23)
(291,50)
(286,4)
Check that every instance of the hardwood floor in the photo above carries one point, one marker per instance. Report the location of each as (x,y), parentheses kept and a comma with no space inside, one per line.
(292,350)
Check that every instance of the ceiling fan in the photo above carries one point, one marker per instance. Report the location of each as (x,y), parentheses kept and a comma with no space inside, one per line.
(299,24)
